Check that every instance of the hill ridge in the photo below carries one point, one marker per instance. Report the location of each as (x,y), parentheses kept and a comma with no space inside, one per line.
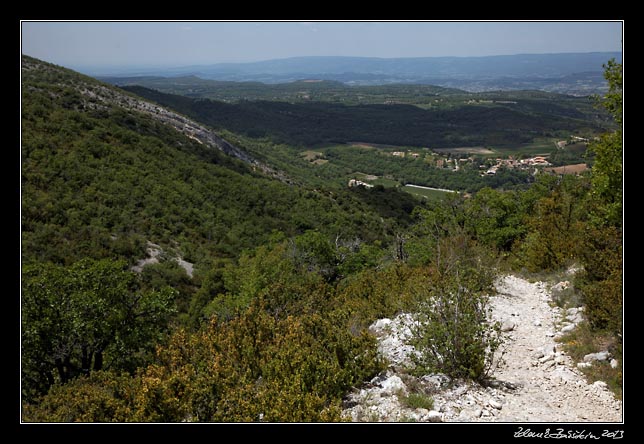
(95,91)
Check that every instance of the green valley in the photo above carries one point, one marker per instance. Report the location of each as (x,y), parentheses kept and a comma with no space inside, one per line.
(487,119)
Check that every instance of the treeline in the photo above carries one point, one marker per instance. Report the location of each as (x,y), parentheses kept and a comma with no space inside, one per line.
(319,122)
(298,91)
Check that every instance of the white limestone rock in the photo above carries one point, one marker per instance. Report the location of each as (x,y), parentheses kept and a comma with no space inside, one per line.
(600,356)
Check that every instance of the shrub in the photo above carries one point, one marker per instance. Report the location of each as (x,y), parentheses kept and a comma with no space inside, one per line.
(101,397)
(453,334)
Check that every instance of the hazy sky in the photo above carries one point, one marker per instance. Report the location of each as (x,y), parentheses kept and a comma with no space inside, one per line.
(94,44)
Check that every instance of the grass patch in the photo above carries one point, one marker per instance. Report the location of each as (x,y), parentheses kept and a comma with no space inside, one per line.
(582,341)
(417,401)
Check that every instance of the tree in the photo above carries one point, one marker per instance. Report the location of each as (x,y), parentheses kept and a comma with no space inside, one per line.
(607,168)
(84,318)
(494,218)
(445,218)
(601,279)
(555,219)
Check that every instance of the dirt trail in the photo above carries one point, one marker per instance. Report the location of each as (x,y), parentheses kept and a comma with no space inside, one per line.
(549,387)
(537,382)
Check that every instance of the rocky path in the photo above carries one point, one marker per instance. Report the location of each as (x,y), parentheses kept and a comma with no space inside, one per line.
(536,382)
(548,386)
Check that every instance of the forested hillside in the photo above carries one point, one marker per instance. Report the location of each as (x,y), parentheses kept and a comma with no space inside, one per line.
(507,124)
(298,91)
(273,324)
(100,179)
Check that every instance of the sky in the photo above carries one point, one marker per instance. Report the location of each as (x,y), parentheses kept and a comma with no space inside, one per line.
(164,44)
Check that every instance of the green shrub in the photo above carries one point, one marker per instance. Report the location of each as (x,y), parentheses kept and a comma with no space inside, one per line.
(100,397)
(453,334)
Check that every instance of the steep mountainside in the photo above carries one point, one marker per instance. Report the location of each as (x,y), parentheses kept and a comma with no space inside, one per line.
(104,172)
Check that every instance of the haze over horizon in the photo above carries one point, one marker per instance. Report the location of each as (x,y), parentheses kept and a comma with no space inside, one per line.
(101,45)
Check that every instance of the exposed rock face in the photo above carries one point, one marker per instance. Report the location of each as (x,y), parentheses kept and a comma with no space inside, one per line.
(100,96)
(537,381)
(394,337)
(381,401)
(154,251)
(188,266)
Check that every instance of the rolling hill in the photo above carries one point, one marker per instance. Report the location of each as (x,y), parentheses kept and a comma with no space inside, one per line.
(575,73)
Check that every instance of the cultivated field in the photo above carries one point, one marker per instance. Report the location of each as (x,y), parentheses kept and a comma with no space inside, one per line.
(568,169)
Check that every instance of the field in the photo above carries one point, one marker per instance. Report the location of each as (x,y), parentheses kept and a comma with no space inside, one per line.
(387,183)
(465,150)
(380,146)
(577,147)
(540,146)
(365,177)
(425,192)
(569,169)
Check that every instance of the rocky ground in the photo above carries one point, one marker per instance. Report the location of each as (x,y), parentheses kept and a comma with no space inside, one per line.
(154,251)
(535,381)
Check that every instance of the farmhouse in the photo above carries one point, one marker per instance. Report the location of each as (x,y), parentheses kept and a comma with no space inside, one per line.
(359,183)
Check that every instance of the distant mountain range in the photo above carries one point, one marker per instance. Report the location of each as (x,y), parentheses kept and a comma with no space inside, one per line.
(575,73)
